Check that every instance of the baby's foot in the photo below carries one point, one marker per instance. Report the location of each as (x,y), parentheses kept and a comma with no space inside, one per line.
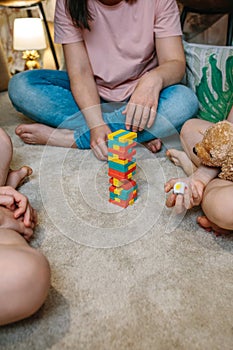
(205,223)
(153,145)
(17,177)
(40,134)
(181,159)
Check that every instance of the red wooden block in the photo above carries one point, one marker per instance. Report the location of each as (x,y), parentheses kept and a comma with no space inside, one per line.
(119,175)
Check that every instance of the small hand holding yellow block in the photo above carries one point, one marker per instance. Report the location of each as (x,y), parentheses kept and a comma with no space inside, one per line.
(179,187)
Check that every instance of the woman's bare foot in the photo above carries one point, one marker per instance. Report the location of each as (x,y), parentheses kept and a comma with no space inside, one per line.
(17,177)
(153,145)
(181,159)
(40,134)
(205,223)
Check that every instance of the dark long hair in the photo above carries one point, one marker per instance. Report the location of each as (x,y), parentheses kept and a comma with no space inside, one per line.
(79,12)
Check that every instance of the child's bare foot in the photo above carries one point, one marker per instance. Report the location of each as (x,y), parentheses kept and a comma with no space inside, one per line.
(181,159)
(205,223)
(153,145)
(17,177)
(40,134)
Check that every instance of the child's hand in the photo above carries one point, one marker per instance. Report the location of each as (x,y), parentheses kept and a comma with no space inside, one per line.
(192,196)
(8,221)
(7,201)
(18,203)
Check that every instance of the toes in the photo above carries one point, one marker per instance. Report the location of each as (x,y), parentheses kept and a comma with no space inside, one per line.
(172,153)
(204,222)
(25,135)
(209,226)
(19,130)
(158,144)
(154,145)
(27,138)
(26,170)
(152,148)
(168,154)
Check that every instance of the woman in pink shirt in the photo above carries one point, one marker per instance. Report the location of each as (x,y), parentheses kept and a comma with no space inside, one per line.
(124,63)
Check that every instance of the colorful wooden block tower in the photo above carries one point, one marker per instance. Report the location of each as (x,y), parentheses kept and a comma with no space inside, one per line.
(122,167)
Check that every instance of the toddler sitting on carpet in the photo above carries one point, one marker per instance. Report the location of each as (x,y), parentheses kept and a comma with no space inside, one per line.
(24,272)
(203,186)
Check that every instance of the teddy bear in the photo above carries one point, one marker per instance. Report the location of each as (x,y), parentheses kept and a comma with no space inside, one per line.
(216,148)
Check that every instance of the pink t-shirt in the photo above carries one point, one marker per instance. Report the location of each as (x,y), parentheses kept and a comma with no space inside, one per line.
(120,45)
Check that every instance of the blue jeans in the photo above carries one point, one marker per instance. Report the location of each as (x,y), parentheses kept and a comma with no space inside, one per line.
(45,96)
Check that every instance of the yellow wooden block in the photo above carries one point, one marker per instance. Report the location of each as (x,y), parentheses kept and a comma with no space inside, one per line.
(117,182)
(123,136)
(128,137)
(118,161)
(114,156)
(132,166)
(117,190)
(114,134)
(116,147)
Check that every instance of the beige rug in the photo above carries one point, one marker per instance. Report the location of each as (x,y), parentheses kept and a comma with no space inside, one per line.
(136,278)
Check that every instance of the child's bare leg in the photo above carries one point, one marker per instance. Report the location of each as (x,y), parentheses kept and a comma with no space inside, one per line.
(10,177)
(24,278)
(217,205)
(6,150)
(191,133)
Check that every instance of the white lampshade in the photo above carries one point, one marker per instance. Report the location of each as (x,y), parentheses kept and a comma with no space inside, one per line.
(28,34)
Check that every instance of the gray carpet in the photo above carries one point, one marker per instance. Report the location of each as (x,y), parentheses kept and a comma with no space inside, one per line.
(135,278)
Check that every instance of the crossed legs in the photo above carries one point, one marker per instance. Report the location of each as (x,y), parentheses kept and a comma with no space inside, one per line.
(217,203)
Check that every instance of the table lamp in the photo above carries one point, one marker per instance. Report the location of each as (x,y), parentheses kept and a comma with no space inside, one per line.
(29,37)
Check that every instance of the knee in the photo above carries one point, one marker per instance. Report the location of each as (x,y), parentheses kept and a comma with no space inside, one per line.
(36,280)
(179,103)
(189,126)
(6,143)
(27,282)
(187,100)
(20,85)
(222,217)
(217,203)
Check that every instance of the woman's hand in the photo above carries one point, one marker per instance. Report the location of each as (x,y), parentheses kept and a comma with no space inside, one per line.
(142,107)
(99,138)
(192,196)
(17,202)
